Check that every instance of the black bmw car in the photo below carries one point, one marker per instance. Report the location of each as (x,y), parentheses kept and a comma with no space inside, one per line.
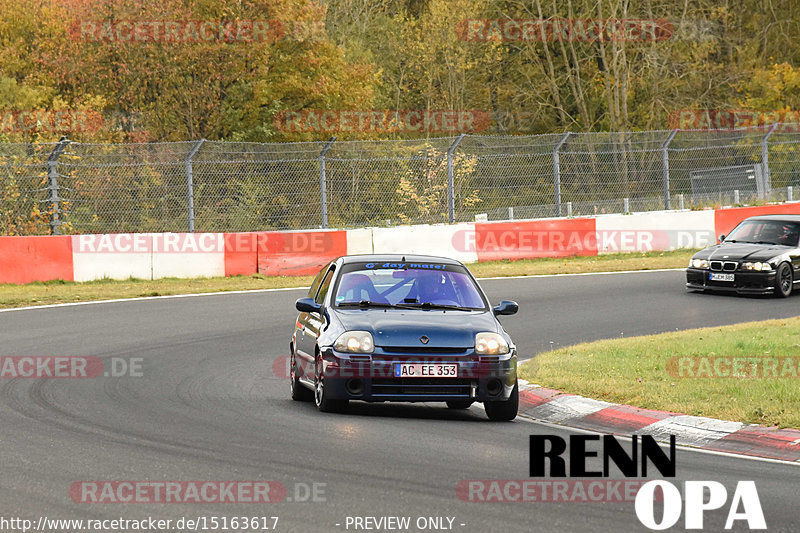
(380,328)
(760,256)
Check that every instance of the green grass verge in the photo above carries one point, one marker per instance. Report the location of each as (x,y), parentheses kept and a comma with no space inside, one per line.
(52,292)
(634,371)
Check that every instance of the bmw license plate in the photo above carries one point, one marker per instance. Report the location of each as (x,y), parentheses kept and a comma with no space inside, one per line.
(719,276)
(419,370)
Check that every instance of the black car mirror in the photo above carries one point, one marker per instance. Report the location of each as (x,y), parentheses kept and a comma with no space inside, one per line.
(307,305)
(506,307)
(722,238)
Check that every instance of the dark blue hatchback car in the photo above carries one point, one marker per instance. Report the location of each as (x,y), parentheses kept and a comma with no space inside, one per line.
(395,328)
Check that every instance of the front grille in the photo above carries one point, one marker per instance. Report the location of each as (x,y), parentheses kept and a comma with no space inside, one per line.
(421,387)
(727,266)
(421,358)
(424,349)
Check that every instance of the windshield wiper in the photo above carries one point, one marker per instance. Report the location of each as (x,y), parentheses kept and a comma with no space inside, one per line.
(430,305)
(363,303)
(367,303)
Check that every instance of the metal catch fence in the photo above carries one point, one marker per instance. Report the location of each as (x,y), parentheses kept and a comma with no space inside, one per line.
(68,187)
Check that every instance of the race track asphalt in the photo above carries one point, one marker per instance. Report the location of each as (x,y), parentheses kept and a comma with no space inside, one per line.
(209,406)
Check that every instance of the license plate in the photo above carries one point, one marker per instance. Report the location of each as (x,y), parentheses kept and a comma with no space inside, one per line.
(419,370)
(719,276)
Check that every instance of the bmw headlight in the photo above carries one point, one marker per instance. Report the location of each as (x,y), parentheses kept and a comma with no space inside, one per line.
(354,342)
(758,266)
(698,263)
(490,344)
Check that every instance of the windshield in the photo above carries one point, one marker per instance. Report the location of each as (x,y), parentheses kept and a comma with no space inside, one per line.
(766,232)
(408,285)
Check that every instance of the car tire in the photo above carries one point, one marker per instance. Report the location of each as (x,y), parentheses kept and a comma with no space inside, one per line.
(505,410)
(784,280)
(459,404)
(323,402)
(300,393)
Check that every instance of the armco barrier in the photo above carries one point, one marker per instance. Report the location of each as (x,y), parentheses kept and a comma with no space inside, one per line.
(528,239)
(154,255)
(27,259)
(113,256)
(455,241)
(148,255)
(726,219)
(646,232)
(241,254)
(189,255)
(298,253)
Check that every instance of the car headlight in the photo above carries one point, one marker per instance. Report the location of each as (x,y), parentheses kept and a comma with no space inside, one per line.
(759,266)
(354,342)
(490,344)
(698,263)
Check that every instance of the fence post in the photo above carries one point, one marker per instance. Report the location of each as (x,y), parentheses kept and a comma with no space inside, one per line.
(190,184)
(557,172)
(451,182)
(765,161)
(52,185)
(665,168)
(323,182)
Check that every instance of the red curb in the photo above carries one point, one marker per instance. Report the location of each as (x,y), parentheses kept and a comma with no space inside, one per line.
(753,440)
(531,398)
(622,418)
(782,444)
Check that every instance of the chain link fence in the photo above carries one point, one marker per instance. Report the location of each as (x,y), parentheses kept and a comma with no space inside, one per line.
(69,187)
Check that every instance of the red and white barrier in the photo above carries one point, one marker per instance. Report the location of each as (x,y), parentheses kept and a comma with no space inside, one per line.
(295,253)
(660,230)
(452,240)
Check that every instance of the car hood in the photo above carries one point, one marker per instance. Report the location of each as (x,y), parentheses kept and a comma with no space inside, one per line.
(738,251)
(394,327)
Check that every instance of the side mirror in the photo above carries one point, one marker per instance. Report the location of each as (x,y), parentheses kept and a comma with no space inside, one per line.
(722,237)
(506,307)
(307,305)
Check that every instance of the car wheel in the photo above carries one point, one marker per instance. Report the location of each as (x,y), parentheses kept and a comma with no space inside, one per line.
(321,399)
(300,393)
(784,280)
(504,410)
(458,404)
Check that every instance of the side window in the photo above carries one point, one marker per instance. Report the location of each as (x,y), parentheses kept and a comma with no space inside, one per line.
(323,289)
(312,291)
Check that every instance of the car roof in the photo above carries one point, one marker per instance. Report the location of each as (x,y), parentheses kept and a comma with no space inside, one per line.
(394,258)
(785,218)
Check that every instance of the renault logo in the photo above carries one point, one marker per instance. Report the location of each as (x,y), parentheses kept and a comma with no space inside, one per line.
(424,339)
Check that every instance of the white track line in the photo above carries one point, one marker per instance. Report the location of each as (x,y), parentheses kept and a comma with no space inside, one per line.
(140,298)
(530,420)
(588,273)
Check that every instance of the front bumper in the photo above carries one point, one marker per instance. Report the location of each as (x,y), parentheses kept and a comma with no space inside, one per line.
(744,282)
(347,378)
